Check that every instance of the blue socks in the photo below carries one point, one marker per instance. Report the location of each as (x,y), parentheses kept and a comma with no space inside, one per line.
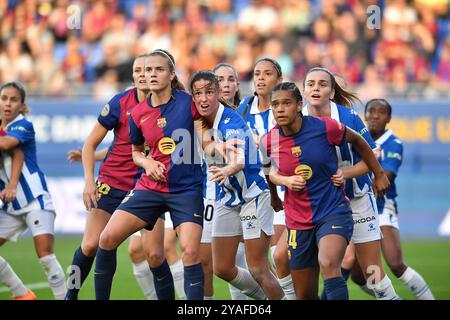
(345,274)
(336,289)
(194,282)
(84,264)
(105,267)
(163,281)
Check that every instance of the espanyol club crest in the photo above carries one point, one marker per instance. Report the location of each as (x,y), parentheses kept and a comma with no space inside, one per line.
(161,122)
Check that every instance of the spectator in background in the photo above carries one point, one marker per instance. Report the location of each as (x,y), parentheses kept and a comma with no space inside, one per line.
(373,87)
(258,16)
(15,64)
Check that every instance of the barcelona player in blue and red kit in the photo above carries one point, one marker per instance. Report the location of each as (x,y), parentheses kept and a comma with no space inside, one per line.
(172,180)
(117,174)
(318,217)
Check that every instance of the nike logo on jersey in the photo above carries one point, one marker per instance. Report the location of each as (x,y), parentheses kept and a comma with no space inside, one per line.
(197,215)
(145,119)
(336,227)
(128,113)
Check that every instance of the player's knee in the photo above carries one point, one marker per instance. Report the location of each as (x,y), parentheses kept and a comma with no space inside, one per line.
(190,255)
(258,272)
(89,248)
(329,266)
(223,271)
(280,257)
(107,241)
(397,267)
(155,259)
(136,254)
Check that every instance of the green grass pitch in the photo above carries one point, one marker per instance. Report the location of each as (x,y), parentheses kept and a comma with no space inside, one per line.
(431,258)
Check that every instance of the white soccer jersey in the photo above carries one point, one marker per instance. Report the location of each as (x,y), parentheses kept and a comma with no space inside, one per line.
(32,184)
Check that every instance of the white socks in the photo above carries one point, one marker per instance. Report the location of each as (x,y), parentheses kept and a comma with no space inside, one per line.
(288,287)
(235,293)
(11,280)
(383,289)
(245,282)
(367,290)
(144,277)
(55,276)
(416,284)
(177,270)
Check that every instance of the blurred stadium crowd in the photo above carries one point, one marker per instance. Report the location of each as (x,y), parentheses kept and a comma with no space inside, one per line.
(72,48)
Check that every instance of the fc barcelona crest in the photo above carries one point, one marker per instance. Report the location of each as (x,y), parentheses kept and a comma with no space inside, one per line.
(161,122)
(296,151)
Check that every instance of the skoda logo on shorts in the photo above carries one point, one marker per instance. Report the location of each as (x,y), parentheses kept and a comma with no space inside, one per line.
(166,145)
(304,170)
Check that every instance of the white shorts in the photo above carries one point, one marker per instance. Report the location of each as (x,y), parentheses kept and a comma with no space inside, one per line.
(389,217)
(366,227)
(247,220)
(208,216)
(279,218)
(39,222)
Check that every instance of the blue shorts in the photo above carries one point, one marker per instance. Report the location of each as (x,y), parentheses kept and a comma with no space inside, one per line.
(302,244)
(150,205)
(110,197)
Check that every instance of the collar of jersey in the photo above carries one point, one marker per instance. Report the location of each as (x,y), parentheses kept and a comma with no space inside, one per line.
(18,118)
(218,116)
(384,137)
(254,107)
(334,111)
(149,100)
(292,135)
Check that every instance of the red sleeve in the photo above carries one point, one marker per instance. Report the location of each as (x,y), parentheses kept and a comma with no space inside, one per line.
(335,131)
(194,111)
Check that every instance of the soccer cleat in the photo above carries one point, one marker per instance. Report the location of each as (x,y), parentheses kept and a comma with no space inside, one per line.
(28,296)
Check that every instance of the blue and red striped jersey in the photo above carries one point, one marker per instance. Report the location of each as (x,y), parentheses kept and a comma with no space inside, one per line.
(169,130)
(310,153)
(118,169)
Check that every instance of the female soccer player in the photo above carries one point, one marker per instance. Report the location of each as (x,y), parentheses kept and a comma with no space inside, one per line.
(242,206)
(378,115)
(117,175)
(318,217)
(257,112)
(32,206)
(325,98)
(172,180)
(229,93)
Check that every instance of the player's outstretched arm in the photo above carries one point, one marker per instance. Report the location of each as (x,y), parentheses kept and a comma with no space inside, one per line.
(75,155)
(90,193)
(9,193)
(380,182)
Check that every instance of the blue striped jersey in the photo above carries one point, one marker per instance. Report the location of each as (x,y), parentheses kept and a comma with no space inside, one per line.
(347,156)
(259,122)
(250,181)
(390,158)
(32,184)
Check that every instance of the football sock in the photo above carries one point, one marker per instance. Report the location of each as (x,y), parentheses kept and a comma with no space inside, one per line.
(163,281)
(336,289)
(144,278)
(194,283)
(245,282)
(55,276)
(416,284)
(105,267)
(288,287)
(177,270)
(78,272)
(11,280)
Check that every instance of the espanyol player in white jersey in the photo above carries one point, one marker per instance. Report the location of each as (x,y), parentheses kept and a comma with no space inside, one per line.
(378,115)
(32,207)
(258,115)
(244,208)
(325,98)
(229,92)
